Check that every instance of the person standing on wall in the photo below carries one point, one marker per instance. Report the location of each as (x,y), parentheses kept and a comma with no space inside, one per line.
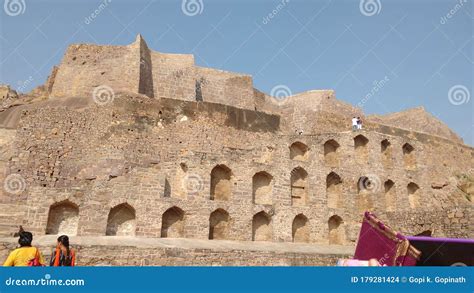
(63,255)
(359,123)
(354,124)
(26,255)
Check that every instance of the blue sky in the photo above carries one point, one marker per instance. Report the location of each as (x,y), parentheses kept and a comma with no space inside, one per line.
(422,49)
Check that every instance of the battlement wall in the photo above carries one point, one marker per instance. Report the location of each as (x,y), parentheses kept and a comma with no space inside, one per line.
(316,111)
(223,87)
(136,68)
(417,119)
(86,67)
(173,76)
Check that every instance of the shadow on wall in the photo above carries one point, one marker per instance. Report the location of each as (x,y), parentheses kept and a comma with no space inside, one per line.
(299,187)
(262,227)
(219,224)
(334,190)
(172,223)
(337,234)
(331,153)
(262,188)
(300,229)
(413,195)
(221,185)
(409,158)
(361,149)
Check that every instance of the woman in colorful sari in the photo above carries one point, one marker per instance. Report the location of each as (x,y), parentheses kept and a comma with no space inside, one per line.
(63,255)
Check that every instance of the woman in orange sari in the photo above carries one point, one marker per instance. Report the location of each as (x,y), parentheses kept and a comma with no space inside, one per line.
(63,255)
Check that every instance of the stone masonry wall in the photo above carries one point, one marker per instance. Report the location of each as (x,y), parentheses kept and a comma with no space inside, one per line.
(86,67)
(223,87)
(136,68)
(154,155)
(417,119)
(173,76)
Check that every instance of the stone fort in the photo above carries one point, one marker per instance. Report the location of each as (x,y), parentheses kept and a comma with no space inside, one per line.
(145,158)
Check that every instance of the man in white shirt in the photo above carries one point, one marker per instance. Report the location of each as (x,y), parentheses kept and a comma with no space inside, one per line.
(354,123)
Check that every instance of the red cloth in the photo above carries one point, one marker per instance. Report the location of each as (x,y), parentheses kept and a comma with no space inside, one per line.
(378,241)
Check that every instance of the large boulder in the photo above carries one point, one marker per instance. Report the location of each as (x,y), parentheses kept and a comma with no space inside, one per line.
(8,97)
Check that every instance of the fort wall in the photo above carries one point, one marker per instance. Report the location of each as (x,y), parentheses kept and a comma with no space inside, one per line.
(173,76)
(149,157)
(136,68)
(86,67)
(182,151)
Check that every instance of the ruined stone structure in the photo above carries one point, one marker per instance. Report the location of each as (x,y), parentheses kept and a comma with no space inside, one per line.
(125,142)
